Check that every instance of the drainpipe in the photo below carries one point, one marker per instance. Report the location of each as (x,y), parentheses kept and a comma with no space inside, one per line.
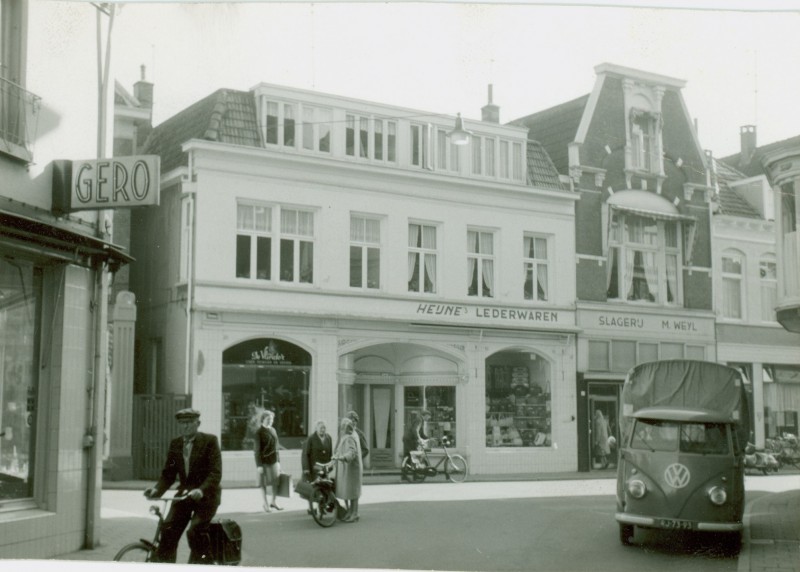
(190,213)
(93,440)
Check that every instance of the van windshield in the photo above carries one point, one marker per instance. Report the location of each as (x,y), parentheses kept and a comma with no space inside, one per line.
(702,438)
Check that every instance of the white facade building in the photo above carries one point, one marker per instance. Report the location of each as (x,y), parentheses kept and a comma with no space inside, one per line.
(333,254)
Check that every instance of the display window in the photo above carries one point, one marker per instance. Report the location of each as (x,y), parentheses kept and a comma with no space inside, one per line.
(518,400)
(440,403)
(264,374)
(20,301)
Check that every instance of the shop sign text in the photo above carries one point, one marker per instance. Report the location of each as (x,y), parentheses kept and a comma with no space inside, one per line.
(634,323)
(484,313)
(115,183)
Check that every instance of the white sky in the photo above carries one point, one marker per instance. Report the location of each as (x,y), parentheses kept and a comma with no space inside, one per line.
(439,57)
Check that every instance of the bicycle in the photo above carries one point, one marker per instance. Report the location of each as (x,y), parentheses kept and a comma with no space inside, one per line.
(145,550)
(419,466)
(324,506)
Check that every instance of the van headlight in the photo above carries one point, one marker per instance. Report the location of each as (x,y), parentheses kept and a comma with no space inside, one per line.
(717,495)
(637,488)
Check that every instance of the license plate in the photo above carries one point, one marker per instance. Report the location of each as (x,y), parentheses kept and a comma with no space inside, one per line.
(676,524)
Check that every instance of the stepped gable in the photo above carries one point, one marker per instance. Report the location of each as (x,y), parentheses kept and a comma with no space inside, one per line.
(226,116)
(555,128)
(754,167)
(542,173)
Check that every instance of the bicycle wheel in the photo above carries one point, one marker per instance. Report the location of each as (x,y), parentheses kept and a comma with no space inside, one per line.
(455,468)
(410,470)
(324,507)
(134,552)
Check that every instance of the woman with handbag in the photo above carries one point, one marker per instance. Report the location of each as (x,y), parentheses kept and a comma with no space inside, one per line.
(348,469)
(267,459)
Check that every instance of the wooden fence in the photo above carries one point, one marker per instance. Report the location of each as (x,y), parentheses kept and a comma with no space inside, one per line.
(154,426)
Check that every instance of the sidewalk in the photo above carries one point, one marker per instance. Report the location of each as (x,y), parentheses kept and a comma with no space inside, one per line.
(771,540)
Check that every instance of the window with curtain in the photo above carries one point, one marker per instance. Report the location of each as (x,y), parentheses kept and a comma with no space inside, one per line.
(475,141)
(316,129)
(732,263)
(489,143)
(288,125)
(422,256)
(644,127)
(365,252)
(272,122)
(643,259)
(253,241)
(419,145)
(768,272)
(296,253)
(480,264)
(280,124)
(504,160)
(535,262)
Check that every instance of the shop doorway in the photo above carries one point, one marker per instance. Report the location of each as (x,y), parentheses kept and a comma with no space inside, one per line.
(381,434)
(603,425)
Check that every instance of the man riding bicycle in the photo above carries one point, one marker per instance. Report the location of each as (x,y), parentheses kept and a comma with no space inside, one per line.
(195,460)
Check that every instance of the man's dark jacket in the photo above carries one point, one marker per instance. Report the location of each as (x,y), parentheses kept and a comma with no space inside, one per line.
(205,468)
(316,450)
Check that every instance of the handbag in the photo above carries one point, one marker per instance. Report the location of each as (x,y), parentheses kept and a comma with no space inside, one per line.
(284,488)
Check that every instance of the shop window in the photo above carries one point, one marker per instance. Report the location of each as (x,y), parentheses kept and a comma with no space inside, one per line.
(440,402)
(20,303)
(535,263)
(732,285)
(480,264)
(253,241)
(365,252)
(768,273)
(265,374)
(643,259)
(422,258)
(518,401)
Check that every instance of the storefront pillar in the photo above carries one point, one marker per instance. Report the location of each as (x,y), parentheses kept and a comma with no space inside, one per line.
(757,407)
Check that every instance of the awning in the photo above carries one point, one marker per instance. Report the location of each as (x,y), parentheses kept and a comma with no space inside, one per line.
(646,204)
(49,239)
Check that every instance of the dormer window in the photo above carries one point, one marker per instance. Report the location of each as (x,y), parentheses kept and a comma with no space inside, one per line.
(644,136)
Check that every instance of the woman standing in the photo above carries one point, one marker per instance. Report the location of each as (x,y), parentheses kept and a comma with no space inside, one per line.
(602,449)
(348,469)
(267,459)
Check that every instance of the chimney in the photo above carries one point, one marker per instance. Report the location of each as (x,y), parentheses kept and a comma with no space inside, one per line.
(747,134)
(143,91)
(490,112)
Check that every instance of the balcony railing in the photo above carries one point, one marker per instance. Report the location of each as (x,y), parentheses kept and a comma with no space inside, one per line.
(19,113)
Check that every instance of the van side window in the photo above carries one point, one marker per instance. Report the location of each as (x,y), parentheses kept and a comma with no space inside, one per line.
(704,438)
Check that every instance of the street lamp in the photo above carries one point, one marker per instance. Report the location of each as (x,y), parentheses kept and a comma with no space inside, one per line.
(459,135)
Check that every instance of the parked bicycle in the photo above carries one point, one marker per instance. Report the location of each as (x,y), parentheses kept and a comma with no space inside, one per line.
(322,497)
(418,465)
(224,539)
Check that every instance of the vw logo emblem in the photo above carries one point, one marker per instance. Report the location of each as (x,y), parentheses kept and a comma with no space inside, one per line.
(677,476)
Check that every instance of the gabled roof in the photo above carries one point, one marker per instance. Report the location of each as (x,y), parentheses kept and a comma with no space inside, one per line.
(730,202)
(227,116)
(753,167)
(555,128)
(542,172)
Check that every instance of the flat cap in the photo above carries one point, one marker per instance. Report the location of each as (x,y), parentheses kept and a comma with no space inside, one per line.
(187,413)
(353,416)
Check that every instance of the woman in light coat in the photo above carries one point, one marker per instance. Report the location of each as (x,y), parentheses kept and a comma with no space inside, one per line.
(348,469)
(602,448)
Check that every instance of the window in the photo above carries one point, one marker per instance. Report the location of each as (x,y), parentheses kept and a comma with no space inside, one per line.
(420,145)
(296,257)
(644,141)
(480,264)
(361,131)
(535,264)
(516,158)
(279,123)
(365,252)
(643,259)
(446,152)
(19,311)
(504,160)
(421,258)
(477,154)
(732,285)
(440,403)
(253,241)
(518,403)
(288,125)
(768,273)
(316,129)
(489,159)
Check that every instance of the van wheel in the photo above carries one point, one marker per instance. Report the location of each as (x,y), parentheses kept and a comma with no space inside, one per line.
(626,534)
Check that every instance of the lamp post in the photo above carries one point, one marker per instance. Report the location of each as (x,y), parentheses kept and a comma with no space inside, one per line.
(459,135)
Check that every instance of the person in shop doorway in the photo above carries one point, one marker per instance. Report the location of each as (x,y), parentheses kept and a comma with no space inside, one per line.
(195,460)
(362,439)
(349,469)
(601,444)
(414,437)
(267,460)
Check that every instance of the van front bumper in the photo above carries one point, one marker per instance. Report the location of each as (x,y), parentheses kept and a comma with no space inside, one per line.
(654,522)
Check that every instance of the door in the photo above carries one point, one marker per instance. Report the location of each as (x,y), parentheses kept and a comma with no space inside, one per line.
(603,424)
(381,434)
